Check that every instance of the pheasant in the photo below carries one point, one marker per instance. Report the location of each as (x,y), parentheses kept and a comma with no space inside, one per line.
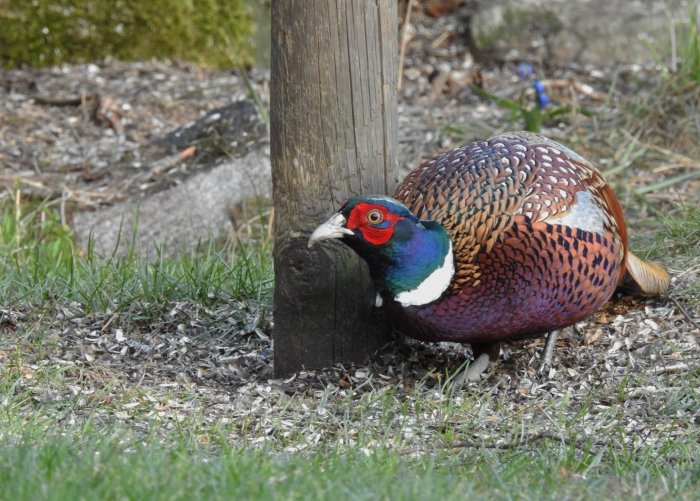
(497,240)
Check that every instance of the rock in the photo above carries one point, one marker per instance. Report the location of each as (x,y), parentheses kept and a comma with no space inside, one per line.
(198,207)
(602,32)
(179,217)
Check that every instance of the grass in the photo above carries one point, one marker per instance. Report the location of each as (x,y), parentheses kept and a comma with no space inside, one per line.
(196,460)
(107,468)
(39,264)
(674,240)
(390,445)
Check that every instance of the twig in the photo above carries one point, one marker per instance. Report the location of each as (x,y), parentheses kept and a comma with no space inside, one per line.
(404,42)
(440,39)
(556,83)
(470,444)
(683,160)
(248,224)
(670,368)
(685,312)
(164,164)
(52,101)
(438,85)
(563,83)
(104,327)
(271,225)
(41,186)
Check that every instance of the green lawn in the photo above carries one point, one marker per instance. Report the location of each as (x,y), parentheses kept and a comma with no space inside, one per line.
(96,465)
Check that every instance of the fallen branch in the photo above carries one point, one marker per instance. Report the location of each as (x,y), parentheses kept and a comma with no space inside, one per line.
(404,42)
(524,441)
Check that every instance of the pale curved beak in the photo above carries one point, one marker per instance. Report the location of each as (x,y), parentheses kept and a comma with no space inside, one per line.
(333,228)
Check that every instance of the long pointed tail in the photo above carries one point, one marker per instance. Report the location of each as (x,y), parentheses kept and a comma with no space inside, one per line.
(645,277)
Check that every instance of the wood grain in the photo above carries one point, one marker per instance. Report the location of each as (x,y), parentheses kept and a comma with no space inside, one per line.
(333,135)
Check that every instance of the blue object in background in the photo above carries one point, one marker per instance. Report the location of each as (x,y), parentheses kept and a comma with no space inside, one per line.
(542,97)
(524,70)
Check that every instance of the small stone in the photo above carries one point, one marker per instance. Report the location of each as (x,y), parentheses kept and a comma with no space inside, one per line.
(652,324)
(119,335)
(590,338)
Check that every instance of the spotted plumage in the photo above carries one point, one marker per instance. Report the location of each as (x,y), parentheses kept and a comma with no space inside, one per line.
(537,241)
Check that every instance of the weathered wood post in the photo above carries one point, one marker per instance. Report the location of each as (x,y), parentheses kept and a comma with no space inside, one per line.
(333,134)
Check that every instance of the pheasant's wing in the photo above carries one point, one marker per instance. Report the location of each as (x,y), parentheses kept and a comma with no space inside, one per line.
(587,200)
(480,191)
(475,193)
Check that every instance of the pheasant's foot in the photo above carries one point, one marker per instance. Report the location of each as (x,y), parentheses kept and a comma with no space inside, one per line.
(548,352)
(483,353)
(474,371)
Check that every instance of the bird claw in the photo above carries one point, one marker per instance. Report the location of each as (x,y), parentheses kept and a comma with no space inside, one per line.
(548,354)
(474,371)
(545,367)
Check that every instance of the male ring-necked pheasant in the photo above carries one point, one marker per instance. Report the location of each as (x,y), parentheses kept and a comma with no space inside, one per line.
(494,241)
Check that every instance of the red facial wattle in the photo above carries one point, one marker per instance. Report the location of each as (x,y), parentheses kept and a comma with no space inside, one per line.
(375,234)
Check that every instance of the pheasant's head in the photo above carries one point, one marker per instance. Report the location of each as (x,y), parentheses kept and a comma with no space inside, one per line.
(410,261)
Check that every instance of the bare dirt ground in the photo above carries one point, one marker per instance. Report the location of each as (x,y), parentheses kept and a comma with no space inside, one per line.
(91,136)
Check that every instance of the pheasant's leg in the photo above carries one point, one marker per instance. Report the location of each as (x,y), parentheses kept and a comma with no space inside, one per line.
(548,352)
(475,369)
(483,353)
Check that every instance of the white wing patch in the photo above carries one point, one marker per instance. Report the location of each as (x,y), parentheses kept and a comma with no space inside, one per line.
(584,215)
(432,287)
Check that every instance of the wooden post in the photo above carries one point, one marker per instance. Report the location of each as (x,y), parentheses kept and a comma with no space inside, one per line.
(333,134)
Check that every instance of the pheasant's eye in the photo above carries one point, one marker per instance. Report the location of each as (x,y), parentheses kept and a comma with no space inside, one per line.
(375,216)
